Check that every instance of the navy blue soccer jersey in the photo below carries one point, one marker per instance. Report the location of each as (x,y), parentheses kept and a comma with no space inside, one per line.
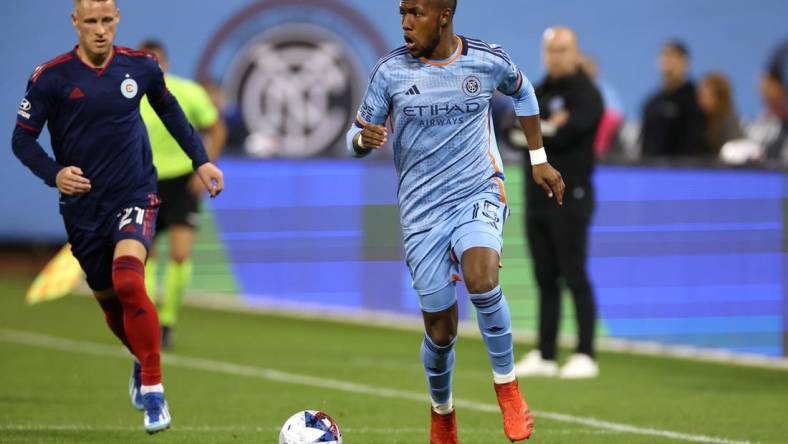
(94,121)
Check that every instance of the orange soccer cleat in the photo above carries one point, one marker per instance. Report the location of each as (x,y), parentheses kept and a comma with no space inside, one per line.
(518,421)
(443,428)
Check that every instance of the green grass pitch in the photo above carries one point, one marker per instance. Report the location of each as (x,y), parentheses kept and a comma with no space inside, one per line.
(235,378)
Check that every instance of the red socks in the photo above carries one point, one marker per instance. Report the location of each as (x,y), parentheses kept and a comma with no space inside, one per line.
(113,313)
(140,321)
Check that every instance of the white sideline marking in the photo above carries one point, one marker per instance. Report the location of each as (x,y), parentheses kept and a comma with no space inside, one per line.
(62,344)
(470,329)
(247,429)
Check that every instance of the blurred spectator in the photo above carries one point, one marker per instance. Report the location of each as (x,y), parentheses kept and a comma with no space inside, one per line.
(721,124)
(672,121)
(613,116)
(770,130)
(778,65)
(571,109)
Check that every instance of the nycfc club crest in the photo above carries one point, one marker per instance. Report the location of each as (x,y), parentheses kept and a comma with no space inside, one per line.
(292,73)
(472,86)
(129,88)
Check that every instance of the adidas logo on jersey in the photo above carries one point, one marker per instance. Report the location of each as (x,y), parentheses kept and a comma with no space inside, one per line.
(414,90)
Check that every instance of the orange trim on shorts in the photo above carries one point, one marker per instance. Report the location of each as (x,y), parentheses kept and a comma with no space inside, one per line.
(460,50)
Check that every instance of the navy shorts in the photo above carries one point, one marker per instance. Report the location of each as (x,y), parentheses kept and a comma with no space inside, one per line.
(179,207)
(95,249)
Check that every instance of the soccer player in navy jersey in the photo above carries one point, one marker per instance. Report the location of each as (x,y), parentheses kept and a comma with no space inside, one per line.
(436,90)
(89,99)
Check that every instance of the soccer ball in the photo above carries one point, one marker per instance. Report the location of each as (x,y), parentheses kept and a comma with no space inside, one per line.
(308,427)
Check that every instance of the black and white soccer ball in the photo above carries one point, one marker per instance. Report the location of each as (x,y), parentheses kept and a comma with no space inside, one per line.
(310,427)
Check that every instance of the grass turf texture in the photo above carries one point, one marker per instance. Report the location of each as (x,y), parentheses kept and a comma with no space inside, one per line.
(50,395)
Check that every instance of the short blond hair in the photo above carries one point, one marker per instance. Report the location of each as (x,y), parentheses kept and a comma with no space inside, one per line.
(77,2)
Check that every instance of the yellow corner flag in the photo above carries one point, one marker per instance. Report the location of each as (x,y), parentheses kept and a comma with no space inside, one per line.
(58,278)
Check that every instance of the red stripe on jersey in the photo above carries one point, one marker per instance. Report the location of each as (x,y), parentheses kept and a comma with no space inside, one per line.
(135,53)
(62,58)
(28,127)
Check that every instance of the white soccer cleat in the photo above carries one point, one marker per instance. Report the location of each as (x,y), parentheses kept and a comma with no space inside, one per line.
(157,414)
(579,366)
(533,365)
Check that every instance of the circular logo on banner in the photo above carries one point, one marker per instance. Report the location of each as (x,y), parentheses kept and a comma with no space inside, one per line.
(472,86)
(292,73)
(129,88)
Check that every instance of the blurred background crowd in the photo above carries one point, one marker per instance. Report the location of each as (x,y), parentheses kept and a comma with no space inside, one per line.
(687,119)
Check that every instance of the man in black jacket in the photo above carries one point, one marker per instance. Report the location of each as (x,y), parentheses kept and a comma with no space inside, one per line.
(571,108)
(672,120)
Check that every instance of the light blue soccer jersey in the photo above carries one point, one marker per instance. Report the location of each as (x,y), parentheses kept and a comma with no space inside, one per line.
(445,150)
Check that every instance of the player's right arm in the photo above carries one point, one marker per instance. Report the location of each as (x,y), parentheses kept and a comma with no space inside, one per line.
(369,131)
(31,117)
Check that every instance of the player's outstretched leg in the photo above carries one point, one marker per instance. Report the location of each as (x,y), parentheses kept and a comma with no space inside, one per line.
(492,313)
(113,313)
(480,269)
(437,355)
(439,365)
(141,325)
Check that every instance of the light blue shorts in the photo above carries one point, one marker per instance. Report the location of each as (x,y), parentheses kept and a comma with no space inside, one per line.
(433,256)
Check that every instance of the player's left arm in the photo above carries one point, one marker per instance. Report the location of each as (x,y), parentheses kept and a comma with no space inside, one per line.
(171,114)
(515,84)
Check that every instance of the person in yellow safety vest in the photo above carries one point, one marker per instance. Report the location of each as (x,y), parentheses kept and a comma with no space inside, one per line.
(178,187)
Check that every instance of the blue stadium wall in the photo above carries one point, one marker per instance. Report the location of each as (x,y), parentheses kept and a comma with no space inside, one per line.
(685,257)
(679,256)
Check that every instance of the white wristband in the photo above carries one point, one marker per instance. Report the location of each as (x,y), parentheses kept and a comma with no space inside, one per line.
(361,141)
(538,157)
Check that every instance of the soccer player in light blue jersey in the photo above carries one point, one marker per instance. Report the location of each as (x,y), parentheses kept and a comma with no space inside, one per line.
(436,92)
